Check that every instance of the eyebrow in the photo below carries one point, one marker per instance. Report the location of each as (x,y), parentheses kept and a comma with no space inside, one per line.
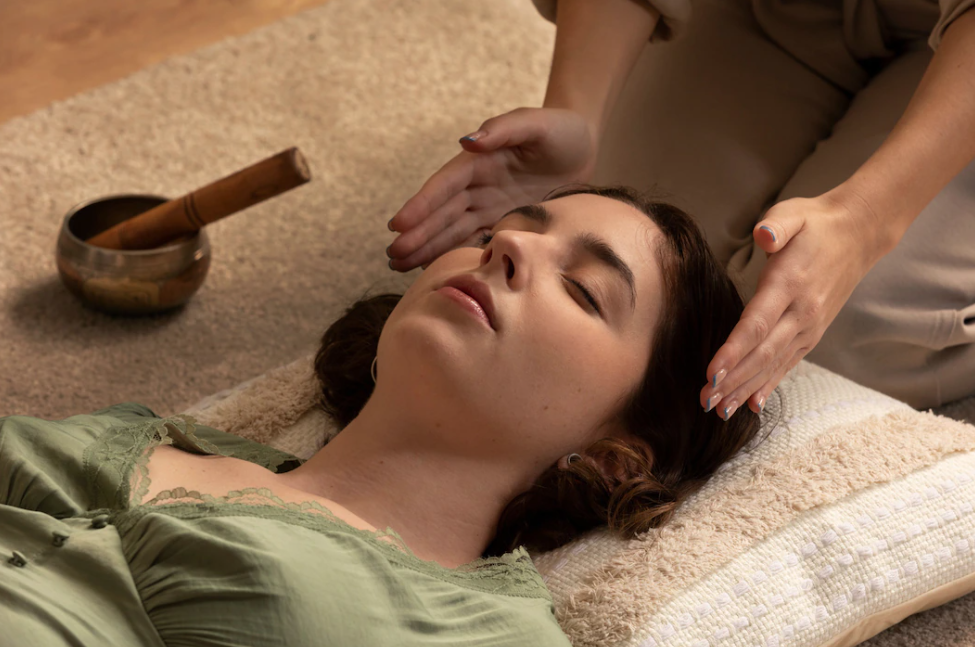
(590,242)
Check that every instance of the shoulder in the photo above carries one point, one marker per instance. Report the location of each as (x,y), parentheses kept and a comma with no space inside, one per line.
(46,465)
(81,428)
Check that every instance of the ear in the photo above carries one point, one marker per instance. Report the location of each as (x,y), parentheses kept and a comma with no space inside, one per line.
(610,468)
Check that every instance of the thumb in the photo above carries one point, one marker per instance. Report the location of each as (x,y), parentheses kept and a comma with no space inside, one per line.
(510,129)
(776,230)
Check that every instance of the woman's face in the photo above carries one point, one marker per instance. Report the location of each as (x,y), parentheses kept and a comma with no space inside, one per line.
(551,370)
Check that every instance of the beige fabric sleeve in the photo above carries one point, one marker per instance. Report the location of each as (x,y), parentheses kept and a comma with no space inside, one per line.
(674,16)
(950,9)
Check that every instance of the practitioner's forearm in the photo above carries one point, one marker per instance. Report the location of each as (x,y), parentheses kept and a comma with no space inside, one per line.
(597,42)
(930,144)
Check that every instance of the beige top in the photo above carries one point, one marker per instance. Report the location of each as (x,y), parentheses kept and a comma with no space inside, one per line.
(910,16)
(858,28)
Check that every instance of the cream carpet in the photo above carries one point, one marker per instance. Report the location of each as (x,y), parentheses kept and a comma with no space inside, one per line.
(374,92)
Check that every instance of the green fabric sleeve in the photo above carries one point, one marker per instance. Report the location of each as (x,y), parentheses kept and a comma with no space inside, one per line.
(42,462)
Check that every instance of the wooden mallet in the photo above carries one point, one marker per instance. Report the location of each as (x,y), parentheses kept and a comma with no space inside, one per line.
(188,214)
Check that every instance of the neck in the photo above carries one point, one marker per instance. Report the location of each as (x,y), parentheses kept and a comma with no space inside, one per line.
(390,470)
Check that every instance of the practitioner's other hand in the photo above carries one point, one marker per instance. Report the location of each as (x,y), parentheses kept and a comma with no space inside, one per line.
(511,160)
(818,250)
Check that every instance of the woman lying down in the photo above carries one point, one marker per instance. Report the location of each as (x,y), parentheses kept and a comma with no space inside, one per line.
(565,400)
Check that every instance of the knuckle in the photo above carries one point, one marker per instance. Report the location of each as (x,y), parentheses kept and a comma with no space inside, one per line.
(732,353)
(422,205)
(766,354)
(814,307)
(795,281)
(760,325)
(808,337)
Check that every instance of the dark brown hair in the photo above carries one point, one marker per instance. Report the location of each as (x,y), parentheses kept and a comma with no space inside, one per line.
(630,486)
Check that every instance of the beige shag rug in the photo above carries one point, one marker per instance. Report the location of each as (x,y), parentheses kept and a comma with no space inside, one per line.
(374,92)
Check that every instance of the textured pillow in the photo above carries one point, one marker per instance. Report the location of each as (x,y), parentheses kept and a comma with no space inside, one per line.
(849,512)
(278,408)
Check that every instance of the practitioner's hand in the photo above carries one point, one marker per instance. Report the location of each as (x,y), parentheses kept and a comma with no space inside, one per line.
(512,160)
(818,251)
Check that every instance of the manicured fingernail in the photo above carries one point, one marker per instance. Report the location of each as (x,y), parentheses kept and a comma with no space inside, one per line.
(761,404)
(716,398)
(473,137)
(730,409)
(769,230)
(718,377)
(387,251)
(390,264)
(389,225)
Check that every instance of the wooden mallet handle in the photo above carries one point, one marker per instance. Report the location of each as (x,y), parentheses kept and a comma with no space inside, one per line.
(186,215)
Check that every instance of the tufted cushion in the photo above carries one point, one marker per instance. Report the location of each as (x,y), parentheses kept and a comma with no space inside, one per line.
(849,512)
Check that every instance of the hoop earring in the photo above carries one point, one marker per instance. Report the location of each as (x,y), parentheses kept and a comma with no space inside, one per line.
(372,371)
(572,458)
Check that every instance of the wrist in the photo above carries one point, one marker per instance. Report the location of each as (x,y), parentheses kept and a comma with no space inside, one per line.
(597,43)
(592,113)
(880,235)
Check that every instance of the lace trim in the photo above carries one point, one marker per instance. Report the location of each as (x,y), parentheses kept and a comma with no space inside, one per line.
(513,573)
(118,456)
(255,496)
(125,450)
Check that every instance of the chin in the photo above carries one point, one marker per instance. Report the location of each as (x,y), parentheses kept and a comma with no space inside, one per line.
(427,352)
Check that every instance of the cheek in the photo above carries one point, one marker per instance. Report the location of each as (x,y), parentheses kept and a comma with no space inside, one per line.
(584,363)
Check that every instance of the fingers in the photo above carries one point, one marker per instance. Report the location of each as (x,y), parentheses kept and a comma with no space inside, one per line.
(757,401)
(773,328)
(753,382)
(452,178)
(486,162)
(755,368)
(513,128)
(808,277)
(759,318)
(414,246)
(453,235)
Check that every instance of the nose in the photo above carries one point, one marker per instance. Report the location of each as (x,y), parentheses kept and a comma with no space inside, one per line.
(514,253)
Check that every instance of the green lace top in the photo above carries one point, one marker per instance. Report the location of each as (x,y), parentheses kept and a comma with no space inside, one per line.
(246,568)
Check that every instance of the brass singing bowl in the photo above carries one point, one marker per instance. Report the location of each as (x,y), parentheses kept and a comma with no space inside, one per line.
(131,282)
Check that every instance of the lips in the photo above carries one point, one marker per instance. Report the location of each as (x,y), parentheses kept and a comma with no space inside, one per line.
(477,290)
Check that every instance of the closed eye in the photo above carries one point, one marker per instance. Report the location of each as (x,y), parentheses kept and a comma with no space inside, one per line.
(485,238)
(586,294)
